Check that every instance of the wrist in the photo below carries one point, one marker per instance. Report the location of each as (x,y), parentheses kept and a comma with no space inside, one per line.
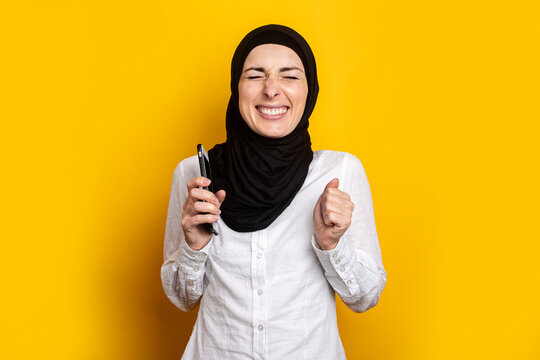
(198,245)
(326,244)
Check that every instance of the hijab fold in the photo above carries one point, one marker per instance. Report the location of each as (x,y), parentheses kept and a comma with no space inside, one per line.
(262,175)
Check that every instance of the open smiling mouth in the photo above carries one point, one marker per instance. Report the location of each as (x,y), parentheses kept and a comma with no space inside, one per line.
(272,113)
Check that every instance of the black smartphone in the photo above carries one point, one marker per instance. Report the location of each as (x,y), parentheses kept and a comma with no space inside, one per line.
(204,165)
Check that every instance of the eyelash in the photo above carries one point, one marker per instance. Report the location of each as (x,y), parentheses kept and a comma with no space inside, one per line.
(286,77)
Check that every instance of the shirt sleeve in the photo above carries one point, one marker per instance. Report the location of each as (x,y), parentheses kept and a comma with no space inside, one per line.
(183,269)
(354,267)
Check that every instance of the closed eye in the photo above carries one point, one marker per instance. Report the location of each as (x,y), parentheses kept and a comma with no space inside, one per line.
(286,77)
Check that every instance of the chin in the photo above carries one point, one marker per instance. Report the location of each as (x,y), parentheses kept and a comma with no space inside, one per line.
(273,133)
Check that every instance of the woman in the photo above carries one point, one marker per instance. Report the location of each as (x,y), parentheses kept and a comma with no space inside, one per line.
(295,226)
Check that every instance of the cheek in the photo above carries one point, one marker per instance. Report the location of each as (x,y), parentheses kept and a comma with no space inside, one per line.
(245,102)
(299,94)
(243,99)
(245,96)
(300,99)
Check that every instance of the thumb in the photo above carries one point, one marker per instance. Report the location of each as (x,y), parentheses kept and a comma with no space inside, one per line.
(221,196)
(334,183)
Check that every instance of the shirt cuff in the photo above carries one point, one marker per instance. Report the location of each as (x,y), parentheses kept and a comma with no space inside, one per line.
(337,261)
(192,260)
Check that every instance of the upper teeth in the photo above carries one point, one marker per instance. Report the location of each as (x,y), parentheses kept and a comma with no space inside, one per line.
(272,111)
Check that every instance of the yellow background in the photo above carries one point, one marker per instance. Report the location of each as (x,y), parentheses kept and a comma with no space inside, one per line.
(101,99)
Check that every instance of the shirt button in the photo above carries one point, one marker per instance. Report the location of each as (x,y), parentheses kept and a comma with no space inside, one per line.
(261,328)
(196,268)
(349,282)
(337,261)
(259,256)
(334,255)
(342,269)
(259,292)
(190,282)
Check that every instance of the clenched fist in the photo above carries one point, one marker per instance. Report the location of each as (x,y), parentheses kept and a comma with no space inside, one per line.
(332,215)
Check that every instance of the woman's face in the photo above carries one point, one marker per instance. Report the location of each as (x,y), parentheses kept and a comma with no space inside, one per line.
(272,90)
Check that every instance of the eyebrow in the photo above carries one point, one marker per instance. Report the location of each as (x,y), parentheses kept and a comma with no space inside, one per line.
(283,69)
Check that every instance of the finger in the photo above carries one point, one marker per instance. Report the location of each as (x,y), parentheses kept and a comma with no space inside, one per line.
(203,195)
(204,218)
(197,182)
(338,205)
(326,213)
(221,196)
(328,217)
(337,193)
(339,221)
(190,222)
(206,207)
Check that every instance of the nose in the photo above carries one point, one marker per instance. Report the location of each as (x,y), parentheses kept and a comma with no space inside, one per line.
(271,88)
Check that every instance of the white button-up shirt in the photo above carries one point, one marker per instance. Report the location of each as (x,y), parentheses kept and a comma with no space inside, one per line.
(269,294)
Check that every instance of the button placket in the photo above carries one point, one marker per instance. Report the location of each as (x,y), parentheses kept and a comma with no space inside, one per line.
(258,283)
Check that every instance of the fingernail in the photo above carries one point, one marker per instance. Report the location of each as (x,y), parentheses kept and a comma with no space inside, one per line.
(207,181)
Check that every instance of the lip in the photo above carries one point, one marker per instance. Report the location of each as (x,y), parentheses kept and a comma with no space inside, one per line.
(272,106)
(272,117)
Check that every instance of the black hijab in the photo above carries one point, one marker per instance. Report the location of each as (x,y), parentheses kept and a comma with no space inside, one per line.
(262,175)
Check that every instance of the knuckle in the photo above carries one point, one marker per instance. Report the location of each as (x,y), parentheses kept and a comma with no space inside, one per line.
(325,199)
(329,207)
(198,219)
(184,222)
